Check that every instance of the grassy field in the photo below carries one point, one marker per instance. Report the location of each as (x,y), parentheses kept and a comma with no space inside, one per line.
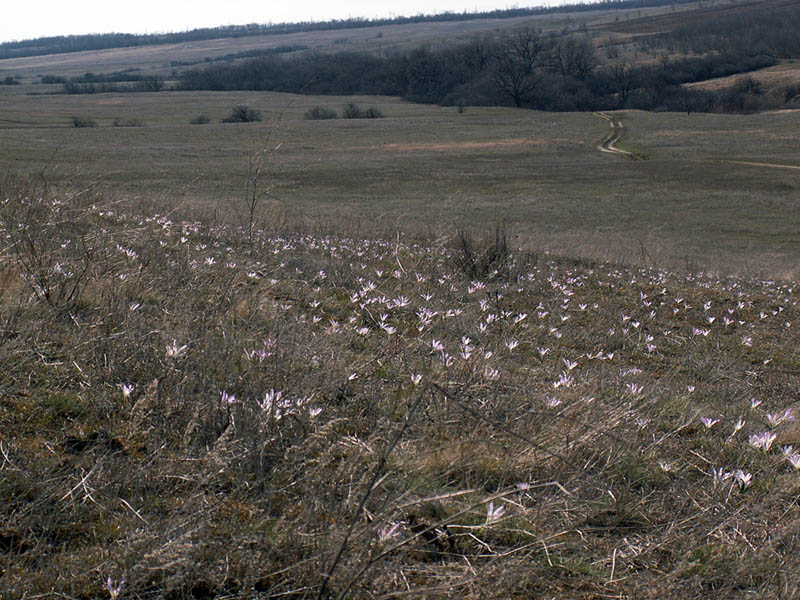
(701,195)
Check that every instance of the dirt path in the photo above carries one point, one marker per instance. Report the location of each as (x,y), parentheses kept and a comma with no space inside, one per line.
(760,164)
(609,144)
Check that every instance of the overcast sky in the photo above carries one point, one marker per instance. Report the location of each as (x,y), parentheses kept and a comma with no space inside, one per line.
(25,19)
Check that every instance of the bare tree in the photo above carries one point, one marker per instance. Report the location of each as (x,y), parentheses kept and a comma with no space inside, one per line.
(477,53)
(573,57)
(518,57)
(623,77)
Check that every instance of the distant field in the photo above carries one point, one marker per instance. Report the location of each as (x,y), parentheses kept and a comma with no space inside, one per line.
(785,74)
(695,200)
(159,59)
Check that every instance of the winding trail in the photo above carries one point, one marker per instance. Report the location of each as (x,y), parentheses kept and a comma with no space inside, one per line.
(760,164)
(609,144)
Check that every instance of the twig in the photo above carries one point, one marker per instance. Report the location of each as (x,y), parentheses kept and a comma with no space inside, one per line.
(376,477)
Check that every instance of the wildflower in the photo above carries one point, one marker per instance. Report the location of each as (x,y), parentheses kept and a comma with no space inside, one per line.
(754,403)
(563,380)
(569,364)
(492,374)
(762,440)
(708,422)
(743,479)
(720,475)
(775,419)
(543,351)
(314,411)
(794,460)
(114,589)
(552,402)
(415,379)
(667,467)
(739,424)
(389,532)
(227,399)
(126,388)
(272,404)
(175,351)
(493,513)
(437,346)
(634,388)
(511,344)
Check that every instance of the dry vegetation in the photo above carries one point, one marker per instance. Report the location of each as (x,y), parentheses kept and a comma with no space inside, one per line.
(314,416)
(279,359)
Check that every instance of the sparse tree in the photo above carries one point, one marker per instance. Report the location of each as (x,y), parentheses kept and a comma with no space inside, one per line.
(623,77)
(518,58)
(573,57)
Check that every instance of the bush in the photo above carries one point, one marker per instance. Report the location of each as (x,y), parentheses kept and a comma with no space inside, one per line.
(485,259)
(128,123)
(83,122)
(319,113)
(372,113)
(200,120)
(354,111)
(243,114)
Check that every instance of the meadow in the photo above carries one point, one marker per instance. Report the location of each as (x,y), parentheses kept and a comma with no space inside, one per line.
(697,197)
(192,411)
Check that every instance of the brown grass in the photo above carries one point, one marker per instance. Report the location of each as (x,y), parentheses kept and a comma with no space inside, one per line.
(557,451)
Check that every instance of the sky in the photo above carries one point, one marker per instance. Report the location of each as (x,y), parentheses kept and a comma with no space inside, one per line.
(26,19)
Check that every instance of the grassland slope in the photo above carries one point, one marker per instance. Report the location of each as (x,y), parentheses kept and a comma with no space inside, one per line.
(188,413)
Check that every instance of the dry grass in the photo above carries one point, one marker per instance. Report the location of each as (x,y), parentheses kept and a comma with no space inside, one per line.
(304,416)
(785,74)
(691,202)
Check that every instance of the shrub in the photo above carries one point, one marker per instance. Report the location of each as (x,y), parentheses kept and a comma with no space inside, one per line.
(485,259)
(243,114)
(354,111)
(372,113)
(128,123)
(83,122)
(321,112)
(200,120)
(351,111)
(149,84)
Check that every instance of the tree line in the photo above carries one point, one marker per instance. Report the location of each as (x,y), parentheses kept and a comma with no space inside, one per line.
(523,68)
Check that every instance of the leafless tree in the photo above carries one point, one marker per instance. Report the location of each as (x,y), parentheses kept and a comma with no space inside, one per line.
(573,57)
(623,77)
(518,57)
